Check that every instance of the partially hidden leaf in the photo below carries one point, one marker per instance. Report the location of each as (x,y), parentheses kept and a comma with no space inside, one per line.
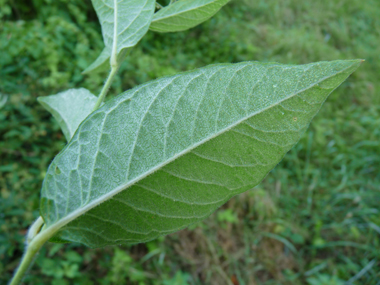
(69,108)
(102,60)
(166,154)
(124,23)
(185,14)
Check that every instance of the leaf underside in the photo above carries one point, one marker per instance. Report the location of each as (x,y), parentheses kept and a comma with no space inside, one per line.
(183,15)
(129,18)
(69,108)
(166,154)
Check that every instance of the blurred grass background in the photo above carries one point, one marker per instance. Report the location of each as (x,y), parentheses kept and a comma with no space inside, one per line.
(314,220)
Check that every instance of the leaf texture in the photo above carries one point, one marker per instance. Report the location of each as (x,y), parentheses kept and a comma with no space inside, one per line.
(124,23)
(166,154)
(69,108)
(185,14)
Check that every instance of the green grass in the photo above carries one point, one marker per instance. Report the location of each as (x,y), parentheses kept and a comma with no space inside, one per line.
(314,220)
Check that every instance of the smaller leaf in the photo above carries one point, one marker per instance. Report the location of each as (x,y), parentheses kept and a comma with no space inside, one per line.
(103,60)
(100,61)
(69,108)
(123,24)
(185,14)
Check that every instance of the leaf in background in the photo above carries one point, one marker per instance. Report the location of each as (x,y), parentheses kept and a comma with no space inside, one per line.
(130,19)
(3,100)
(69,108)
(185,14)
(166,154)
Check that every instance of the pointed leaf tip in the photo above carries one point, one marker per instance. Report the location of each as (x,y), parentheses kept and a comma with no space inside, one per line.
(69,108)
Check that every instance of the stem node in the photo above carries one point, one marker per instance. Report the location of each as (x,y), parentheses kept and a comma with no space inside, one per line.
(36,239)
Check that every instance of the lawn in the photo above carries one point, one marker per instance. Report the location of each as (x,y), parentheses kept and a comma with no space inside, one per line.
(314,220)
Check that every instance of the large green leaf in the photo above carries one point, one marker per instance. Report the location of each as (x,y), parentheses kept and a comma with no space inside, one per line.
(124,23)
(69,108)
(185,14)
(166,154)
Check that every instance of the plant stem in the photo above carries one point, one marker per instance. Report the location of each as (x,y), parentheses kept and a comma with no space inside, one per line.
(113,61)
(31,250)
(115,64)
(34,229)
(106,87)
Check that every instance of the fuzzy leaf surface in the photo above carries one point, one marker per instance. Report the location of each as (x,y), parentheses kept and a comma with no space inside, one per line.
(69,108)
(185,14)
(124,23)
(167,153)
(130,19)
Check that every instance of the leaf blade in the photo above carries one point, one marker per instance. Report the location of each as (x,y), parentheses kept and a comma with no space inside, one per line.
(170,157)
(123,22)
(183,15)
(69,108)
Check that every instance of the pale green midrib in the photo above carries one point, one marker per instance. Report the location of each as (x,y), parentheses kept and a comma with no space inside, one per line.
(73,215)
(185,11)
(114,44)
(114,47)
